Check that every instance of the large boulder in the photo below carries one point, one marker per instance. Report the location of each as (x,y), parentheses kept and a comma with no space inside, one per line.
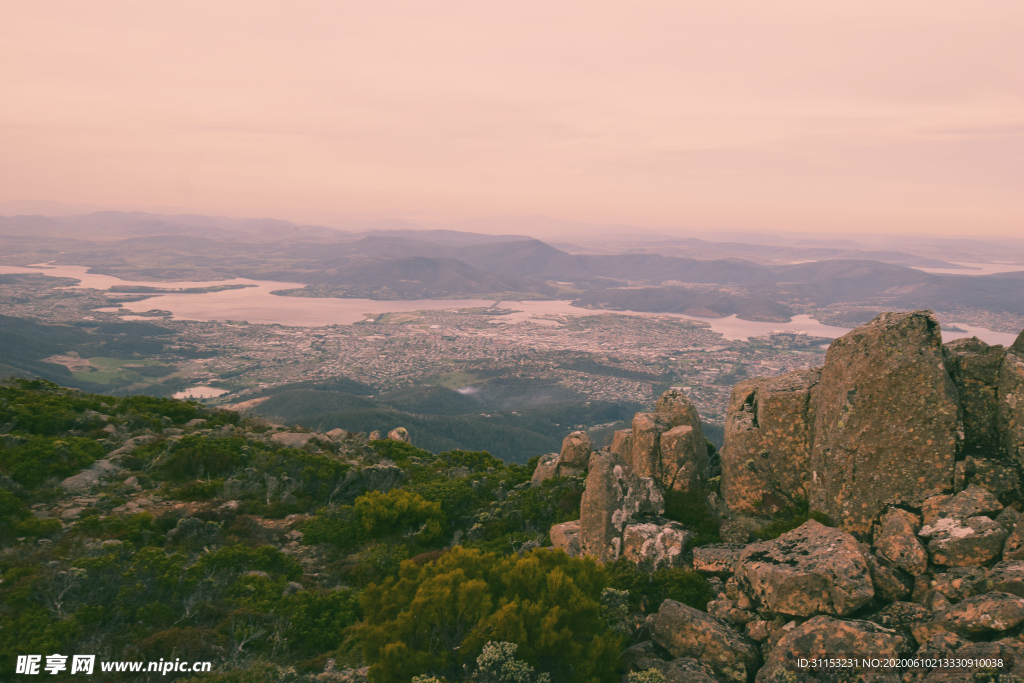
(982,614)
(645,454)
(576,449)
(974,367)
(90,477)
(567,537)
(1010,410)
(825,637)
(811,570)
(684,459)
(400,434)
(687,632)
(1008,577)
(614,496)
(957,543)
(896,541)
(766,457)
(717,558)
(655,544)
(547,468)
(971,502)
(886,426)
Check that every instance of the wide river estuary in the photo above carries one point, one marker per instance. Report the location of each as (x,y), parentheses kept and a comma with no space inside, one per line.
(256,304)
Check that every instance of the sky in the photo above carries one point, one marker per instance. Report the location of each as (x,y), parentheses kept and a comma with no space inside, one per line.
(832,117)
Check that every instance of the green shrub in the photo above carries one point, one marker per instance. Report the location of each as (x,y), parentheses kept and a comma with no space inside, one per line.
(648,590)
(196,456)
(400,513)
(435,618)
(30,463)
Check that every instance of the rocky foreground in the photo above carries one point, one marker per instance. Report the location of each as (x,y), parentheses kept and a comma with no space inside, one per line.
(905,452)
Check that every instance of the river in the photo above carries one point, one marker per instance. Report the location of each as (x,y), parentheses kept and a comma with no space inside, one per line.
(256,304)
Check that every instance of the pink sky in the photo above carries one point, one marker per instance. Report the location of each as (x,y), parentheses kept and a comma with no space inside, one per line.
(790,115)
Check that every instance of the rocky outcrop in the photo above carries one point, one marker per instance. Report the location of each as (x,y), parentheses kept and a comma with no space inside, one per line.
(1010,408)
(399,434)
(614,496)
(90,477)
(547,467)
(886,420)
(974,367)
(766,458)
(575,454)
(667,445)
(686,632)
(825,637)
(810,570)
(717,558)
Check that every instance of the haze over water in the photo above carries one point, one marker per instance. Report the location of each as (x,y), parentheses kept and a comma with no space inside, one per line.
(256,304)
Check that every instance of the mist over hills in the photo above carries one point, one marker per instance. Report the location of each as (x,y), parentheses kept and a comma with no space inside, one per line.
(394,260)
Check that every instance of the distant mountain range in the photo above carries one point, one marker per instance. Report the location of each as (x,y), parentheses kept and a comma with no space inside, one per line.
(398,262)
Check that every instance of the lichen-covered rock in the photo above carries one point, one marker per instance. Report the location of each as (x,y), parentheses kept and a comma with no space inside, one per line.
(399,434)
(890,584)
(974,367)
(567,537)
(687,632)
(1010,393)
(903,616)
(641,657)
(655,544)
(89,477)
(681,670)
(1011,652)
(684,459)
(1007,577)
(896,541)
(576,449)
(728,611)
(614,496)
(960,583)
(827,637)
(645,454)
(547,467)
(974,501)
(958,543)
(717,558)
(886,420)
(766,457)
(811,570)
(622,443)
(681,410)
(932,506)
(1001,478)
(1013,548)
(983,613)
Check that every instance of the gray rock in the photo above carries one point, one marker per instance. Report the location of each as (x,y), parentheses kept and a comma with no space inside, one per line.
(971,502)
(686,632)
(983,613)
(567,537)
(827,637)
(614,496)
(810,570)
(956,543)
(622,443)
(960,583)
(576,450)
(896,541)
(1010,410)
(656,544)
(974,367)
(766,457)
(717,558)
(886,420)
(88,478)
(291,439)
(399,434)
(1007,577)
(292,588)
(547,467)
